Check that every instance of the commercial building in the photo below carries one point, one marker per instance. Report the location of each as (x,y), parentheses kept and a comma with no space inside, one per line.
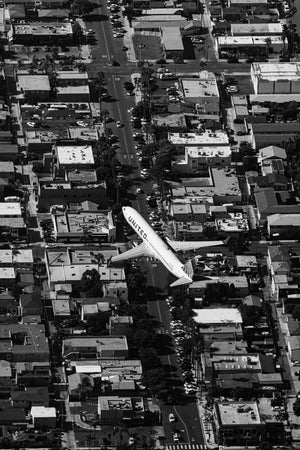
(115,410)
(34,87)
(276,78)
(95,347)
(52,33)
(256,29)
(207,138)
(84,226)
(217,316)
(172,43)
(238,423)
(249,45)
(198,159)
(75,156)
(203,92)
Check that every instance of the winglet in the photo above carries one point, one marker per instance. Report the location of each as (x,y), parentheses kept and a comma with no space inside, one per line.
(181,281)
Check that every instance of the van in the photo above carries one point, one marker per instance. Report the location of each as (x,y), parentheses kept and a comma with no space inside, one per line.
(12,199)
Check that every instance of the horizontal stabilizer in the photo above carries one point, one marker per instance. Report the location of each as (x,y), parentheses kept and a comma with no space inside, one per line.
(181,281)
(135,252)
(185,246)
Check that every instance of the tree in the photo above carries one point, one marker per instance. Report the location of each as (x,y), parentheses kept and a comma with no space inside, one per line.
(143,339)
(91,283)
(250,314)
(81,7)
(97,323)
(136,280)
(296,407)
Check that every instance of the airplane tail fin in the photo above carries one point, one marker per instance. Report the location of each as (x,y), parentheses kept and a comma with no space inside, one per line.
(181,281)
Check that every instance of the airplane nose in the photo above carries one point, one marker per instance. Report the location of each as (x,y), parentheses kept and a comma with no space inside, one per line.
(124,209)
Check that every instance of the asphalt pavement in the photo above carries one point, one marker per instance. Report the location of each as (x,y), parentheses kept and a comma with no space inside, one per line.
(187,415)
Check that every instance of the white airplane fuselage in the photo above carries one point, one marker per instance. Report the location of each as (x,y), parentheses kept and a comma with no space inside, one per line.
(154,243)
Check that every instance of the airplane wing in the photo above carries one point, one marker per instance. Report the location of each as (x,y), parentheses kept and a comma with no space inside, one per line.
(192,245)
(135,252)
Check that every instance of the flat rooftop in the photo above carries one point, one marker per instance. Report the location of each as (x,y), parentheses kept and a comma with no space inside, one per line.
(261,28)
(80,154)
(207,137)
(209,152)
(277,71)
(10,209)
(247,40)
(205,86)
(93,222)
(44,29)
(33,82)
(101,343)
(217,316)
(238,413)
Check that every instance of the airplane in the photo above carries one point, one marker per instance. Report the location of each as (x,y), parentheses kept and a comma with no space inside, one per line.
(154,246)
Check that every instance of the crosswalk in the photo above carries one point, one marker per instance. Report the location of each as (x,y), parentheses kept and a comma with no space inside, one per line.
(186,447)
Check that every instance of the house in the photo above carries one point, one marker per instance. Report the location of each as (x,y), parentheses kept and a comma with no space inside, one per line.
(283,225)
(23,342)
(293,344)
(34,87)
(271,152)
(267,204)
(8,152)
(43,416)
(7,170)
(114,410)
(30,396)
(274,180)
(31,304)
(120,325)
(103,347)
(13,417)
(117,289)
(238,423)
(33,374)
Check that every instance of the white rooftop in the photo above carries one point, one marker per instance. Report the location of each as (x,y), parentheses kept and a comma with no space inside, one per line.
(251,28)
(248,40)
(43,412)
(277,70)
(217,316)
(34,82)
(206,85)
(208,152)
(238,413)
(10,209)
(207,137)
(79,154)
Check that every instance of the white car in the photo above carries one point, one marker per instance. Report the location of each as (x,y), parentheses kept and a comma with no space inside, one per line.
(31,124)
(171,418)
(139,191)
(81,123)
(119,124)
(131,440)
